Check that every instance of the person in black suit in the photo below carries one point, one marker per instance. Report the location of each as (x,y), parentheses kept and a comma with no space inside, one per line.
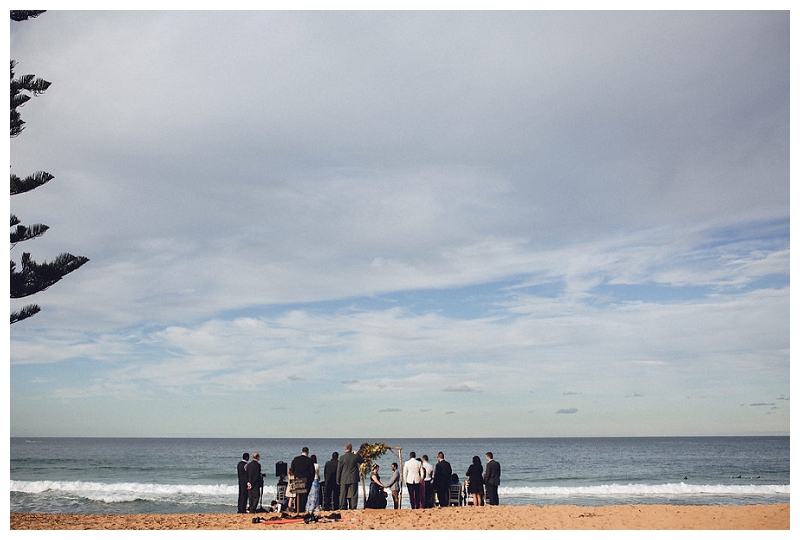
(491,479)
(241,469)
(254,482)
(303,469)
(331,501)
(441,480)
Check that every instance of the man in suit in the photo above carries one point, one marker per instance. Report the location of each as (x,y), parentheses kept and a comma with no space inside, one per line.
(254,482)
(491,479)
(412,475)
(427,478)
(441,480)
(241,469)
(331,501)
(393,485)
(303,469)
(347,476)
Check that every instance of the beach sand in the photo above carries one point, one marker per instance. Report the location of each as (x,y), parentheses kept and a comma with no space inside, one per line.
(629,517)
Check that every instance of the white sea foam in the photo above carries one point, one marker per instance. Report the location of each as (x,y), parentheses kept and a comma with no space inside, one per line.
(127,492)
(644,489)
(224,494)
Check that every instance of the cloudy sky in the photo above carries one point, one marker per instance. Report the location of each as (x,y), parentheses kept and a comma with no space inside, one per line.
(336,224)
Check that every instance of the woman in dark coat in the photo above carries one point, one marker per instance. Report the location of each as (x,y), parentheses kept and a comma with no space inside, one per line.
(475,481)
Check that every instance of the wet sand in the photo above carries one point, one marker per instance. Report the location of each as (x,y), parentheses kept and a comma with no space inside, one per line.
(628,517)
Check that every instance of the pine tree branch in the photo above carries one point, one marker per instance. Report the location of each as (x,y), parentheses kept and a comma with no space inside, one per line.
(21,15)
(24,83)
(29,183)
(34,277)
(22,233)
(28,311)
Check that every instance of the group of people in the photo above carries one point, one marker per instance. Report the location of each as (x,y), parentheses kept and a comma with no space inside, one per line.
(302,482)
(341,478)
(480,482)
(423,480)
(251,483)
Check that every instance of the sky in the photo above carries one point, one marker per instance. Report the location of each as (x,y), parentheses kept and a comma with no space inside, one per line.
(406,224)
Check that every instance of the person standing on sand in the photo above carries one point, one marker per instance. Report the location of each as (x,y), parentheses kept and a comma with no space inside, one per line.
(394,486)
(241,470)
(475,481)
(291,497)
(331,501)
(254,482)
(314,501)
(441,480)
(412,475)
(303,468)
(492,479)
(428,471)
(377,495)
(347,477)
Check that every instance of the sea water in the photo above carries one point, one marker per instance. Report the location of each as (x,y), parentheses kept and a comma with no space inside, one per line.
(140,475)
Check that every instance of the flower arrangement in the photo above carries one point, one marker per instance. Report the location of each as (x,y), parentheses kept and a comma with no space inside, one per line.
(370,452)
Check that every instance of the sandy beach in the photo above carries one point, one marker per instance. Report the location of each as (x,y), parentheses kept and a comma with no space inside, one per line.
(629,517)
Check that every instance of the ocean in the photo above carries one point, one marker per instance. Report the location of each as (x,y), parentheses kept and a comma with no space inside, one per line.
(164,475)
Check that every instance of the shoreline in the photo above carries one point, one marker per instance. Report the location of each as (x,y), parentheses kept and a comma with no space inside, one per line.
(568,517)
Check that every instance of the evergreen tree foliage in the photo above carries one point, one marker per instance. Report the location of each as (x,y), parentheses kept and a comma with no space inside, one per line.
(25,83)
(24,15)
(31,277)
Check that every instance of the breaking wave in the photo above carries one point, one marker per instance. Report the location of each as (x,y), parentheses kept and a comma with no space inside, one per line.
(667,490)
(129,492)
(226,494)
